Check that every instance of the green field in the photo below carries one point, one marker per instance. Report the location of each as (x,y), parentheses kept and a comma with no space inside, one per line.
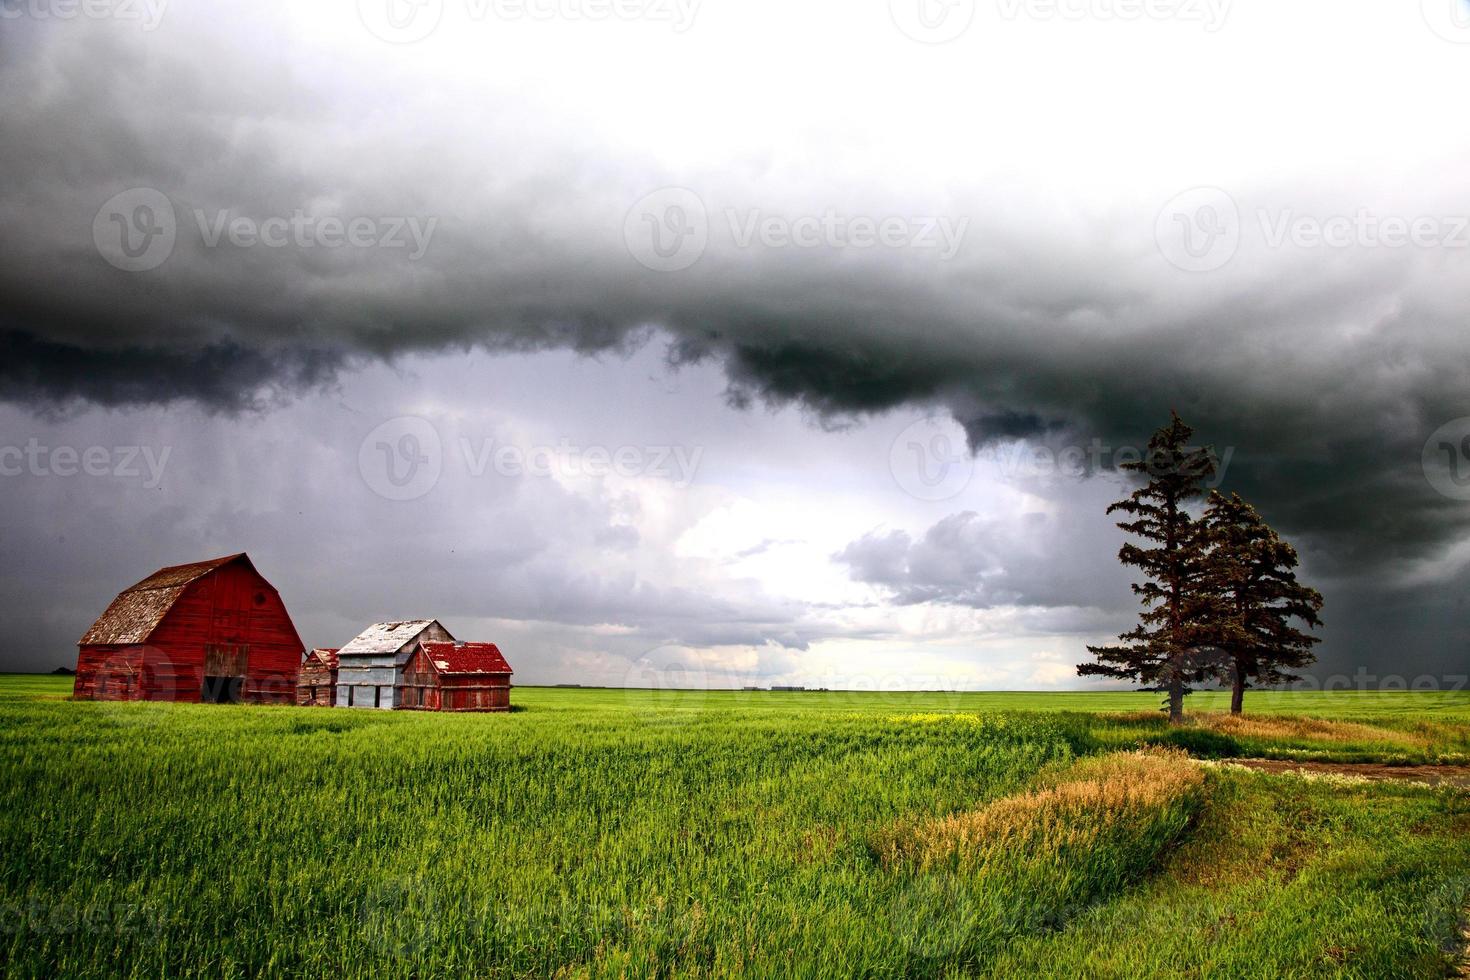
(612,833)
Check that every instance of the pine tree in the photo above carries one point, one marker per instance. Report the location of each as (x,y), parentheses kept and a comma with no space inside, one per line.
(1167,650)
(1252,579)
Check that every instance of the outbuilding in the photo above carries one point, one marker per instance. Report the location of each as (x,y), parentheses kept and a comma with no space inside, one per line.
(208,631)
(316,685)
(370,666)
(456,677)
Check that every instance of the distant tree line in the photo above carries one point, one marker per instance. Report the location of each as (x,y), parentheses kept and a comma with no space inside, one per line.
(1219,592)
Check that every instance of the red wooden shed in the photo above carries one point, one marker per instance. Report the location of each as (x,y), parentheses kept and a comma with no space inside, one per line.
(209,631)
(456,677)
(316,685)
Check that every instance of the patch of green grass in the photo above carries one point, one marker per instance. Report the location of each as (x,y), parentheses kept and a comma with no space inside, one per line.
(1386,708)
(1283,877)
(35,686)
(638,833)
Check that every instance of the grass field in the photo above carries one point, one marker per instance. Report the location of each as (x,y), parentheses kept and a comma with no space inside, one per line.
(612,833)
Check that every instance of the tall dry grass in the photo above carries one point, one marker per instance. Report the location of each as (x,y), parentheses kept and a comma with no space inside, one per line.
(1078,808)
(1308,729)
(1272,728)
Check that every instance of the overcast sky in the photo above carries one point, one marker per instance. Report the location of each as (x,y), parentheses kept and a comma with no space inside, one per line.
(680,342)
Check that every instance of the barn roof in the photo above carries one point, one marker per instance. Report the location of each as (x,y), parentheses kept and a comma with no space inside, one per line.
(467,658)
(327,656)
(136,612)
(386,637)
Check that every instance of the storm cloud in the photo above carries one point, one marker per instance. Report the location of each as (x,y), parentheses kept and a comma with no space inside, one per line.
(502,210)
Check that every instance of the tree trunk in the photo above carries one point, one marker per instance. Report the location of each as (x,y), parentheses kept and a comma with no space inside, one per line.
(1176,701)
(1237,691)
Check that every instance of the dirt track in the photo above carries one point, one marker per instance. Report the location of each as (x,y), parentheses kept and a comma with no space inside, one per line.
(1430,775)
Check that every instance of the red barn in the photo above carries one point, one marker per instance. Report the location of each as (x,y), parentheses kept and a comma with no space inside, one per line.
(456,677)
(316,685)
(211,631)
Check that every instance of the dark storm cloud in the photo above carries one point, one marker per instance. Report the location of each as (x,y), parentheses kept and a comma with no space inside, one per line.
(1325,378)
(224,375)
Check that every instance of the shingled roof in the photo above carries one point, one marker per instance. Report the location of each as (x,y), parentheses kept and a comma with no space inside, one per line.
(326,656)
(385,637)
(467,658)
(136,612)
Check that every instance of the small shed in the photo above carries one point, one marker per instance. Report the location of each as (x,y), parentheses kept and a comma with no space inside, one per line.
(456,677)
(207,631)
(316,685)
(370,666)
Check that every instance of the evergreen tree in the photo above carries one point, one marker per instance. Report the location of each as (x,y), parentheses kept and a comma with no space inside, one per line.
(1167,650)
(1252,580)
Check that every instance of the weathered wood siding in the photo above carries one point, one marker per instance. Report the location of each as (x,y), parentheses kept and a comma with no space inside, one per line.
(433,633)
(230,617)
(316,685)
(425,688)
(374,680)
(366,681)
(475,693)
(420,687)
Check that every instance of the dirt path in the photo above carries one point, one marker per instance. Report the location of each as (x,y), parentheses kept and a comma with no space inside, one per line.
(1430,775)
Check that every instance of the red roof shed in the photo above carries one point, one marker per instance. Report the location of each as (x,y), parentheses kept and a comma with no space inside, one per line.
(208,631)
(456,677)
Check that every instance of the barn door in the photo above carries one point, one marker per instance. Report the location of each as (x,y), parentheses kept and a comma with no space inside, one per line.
(224,672)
